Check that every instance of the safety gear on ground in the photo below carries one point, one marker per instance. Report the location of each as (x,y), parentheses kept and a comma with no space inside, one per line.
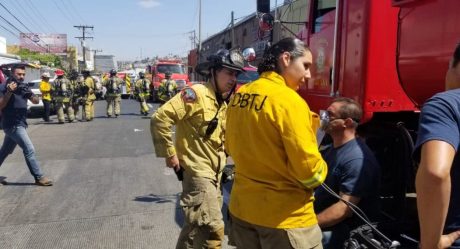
(59,72)
(231,59)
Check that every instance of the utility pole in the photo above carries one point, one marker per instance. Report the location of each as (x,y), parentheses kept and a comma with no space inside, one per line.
(199,28)
(233,29)
(95,51)
(83,38)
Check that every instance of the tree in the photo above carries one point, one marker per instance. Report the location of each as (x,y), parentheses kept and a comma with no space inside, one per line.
(44,59)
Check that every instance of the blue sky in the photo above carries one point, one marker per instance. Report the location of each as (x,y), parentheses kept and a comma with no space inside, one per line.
(127,29)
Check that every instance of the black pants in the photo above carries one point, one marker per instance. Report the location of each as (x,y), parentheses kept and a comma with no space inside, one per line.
(46,114)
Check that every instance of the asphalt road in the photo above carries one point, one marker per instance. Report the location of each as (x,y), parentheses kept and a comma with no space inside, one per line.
(110,190)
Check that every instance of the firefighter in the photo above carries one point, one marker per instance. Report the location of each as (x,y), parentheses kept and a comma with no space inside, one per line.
(88,95)
(167,89)
(76,85)
(61,95)
(113,95)
(199,114)
(45,89)
(142,88)
(270,136)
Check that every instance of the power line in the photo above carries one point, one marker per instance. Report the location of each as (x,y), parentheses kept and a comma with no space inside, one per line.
(40,16)
(5,28)
(67,18)
(43,18)
(26,15)
(15,17)
(71,13)
(12,25)
(76,12)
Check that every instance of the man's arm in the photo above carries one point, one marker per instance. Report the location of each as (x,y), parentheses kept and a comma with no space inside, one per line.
(337,212)
(433,186)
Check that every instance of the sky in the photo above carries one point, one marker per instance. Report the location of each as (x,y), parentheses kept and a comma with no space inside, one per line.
(128,29)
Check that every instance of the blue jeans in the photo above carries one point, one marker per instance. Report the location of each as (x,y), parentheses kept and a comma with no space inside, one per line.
(18,136)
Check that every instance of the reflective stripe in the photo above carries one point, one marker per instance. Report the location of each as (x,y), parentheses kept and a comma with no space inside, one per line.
(317,178)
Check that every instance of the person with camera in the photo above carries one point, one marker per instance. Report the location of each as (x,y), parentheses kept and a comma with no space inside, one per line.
(198,112)
(354,174)
(142,88)
(270,136)
(61,95)
(113,94)
(13,104)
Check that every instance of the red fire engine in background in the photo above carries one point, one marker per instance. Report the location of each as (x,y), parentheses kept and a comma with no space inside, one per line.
(389,55)
(158,70)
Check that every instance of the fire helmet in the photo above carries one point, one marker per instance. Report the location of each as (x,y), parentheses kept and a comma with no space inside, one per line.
(59,72)
(231,59)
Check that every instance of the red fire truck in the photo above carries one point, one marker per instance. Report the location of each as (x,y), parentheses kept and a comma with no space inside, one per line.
(390,55)
(158,70)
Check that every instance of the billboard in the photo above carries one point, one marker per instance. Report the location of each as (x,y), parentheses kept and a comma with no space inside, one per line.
(45,43)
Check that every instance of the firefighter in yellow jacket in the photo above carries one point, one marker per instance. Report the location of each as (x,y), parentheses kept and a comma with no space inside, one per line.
(167,88)
(62,93)
(113,95)
(198,113)
(45,89)
(277,162)
(142,88)
(89,96)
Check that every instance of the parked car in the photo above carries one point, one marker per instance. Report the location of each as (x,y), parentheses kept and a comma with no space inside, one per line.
(37,108)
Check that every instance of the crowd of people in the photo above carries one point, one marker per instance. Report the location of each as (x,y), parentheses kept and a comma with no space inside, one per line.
(282,194)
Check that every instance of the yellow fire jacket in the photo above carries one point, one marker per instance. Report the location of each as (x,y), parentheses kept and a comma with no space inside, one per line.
(191,111)
(45,89)
(270,137)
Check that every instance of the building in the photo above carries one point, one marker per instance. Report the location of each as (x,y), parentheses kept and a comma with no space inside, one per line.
(104,63)
(291,18)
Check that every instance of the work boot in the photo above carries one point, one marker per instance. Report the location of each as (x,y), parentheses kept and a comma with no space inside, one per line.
(44,181)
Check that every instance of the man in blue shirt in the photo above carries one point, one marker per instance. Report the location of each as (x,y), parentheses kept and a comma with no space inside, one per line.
(13,104)
(354,174)
(438,175)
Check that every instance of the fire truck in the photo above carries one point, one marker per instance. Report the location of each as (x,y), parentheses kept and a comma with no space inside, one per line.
(390,56)
(158,70)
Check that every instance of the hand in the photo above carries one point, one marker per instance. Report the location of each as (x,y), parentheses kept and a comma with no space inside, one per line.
(448,239)
(173,162)
(12,86)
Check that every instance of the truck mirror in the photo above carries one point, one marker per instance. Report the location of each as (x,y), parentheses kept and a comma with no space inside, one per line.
(249,54)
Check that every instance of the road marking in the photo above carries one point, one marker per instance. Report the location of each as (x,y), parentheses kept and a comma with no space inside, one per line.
(150,105)
(138,130)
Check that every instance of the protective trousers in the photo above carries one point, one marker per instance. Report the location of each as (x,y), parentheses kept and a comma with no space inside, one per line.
(113,102)
(142,100)
(89,110)
(76,108)
(60,107)
(201,202)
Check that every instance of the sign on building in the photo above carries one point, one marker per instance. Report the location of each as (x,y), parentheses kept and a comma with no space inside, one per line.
(44,43)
